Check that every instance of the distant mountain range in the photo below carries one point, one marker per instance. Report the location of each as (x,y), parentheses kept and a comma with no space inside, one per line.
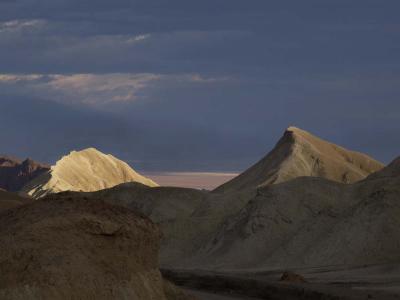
(298,153)
(14,174)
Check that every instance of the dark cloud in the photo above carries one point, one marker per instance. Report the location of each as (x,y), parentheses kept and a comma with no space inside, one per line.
(197,84)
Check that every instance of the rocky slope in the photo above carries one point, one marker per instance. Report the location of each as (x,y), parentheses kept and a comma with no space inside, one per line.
(14,174)
(87,170)
(169,207)
(79,249)
(187,217)
(299,153)
(309,222)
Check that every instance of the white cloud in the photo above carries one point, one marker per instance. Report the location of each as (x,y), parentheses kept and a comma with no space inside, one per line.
(96,89)
(12,78)
(202,79)
(137,38)
(82,88)
(17,25)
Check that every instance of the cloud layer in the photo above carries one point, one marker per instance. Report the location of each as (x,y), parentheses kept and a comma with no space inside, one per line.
(197,85)
(97,90)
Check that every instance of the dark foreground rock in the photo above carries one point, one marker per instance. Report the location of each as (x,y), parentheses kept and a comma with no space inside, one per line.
(10,200)
(79,249)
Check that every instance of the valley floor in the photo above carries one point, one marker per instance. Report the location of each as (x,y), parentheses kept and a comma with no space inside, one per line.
(201,295)
(356,283)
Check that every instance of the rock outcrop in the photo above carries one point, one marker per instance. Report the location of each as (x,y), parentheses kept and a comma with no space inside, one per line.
(76,248)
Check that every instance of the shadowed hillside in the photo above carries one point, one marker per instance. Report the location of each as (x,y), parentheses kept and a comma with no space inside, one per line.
(308,222)
(10,200)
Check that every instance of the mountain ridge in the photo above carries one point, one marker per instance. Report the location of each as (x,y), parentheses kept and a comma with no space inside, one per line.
(299,153)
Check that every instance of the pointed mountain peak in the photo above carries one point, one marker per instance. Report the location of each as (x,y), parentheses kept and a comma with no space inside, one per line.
(87,170)
(84,152)
(297,131)
(299,153)
(294,134)
(87,150)
(300,134)
(294,129)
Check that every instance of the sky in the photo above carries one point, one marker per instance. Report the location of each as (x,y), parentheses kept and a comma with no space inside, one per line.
(197,86)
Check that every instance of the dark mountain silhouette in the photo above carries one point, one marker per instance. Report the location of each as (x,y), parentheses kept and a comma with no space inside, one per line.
(14,174)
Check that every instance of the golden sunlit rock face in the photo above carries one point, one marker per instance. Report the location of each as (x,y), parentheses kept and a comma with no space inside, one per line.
(87,171)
